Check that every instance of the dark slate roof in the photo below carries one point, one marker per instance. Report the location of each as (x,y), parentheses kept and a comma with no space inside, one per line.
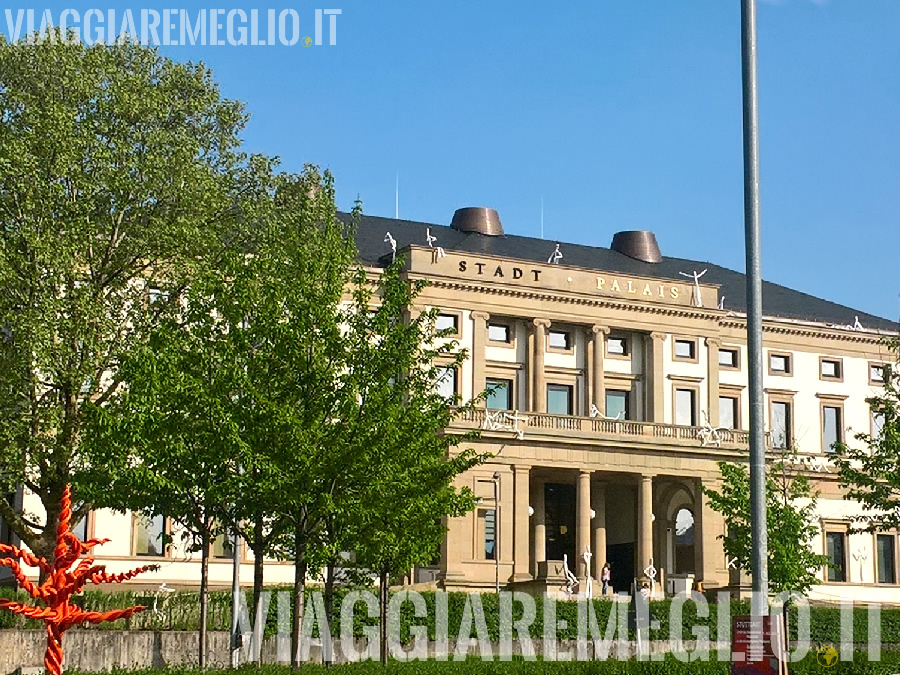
(778,301)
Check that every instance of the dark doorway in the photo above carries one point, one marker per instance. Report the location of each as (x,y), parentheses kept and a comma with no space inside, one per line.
(559,505)
(621,564)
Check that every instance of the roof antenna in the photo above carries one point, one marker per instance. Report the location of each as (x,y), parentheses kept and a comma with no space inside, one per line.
(697,301)
(397,199)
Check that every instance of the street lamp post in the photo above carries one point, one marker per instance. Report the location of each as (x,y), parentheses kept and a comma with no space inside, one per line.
(754,310)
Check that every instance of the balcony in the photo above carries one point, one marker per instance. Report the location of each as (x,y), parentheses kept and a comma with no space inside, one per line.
(600,431)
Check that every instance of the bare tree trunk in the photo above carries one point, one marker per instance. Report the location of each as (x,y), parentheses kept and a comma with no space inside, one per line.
(300,568)
(382,650)
(204,595)
(328,651)
(259,626)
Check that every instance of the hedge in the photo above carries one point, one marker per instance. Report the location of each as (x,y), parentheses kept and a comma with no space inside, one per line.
(670,666)
(179,611)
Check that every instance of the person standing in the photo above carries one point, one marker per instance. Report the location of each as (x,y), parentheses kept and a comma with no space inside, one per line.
(605,575)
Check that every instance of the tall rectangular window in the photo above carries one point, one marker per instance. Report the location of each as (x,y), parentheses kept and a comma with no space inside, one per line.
(149,532)
(780,424)
(617,404)
(886,552)
(500,396)
(446,382)
(559,399)
(223,547)
(80,529)
(490,534)
(835,549)
(686,407)
(728,412)
(831,422)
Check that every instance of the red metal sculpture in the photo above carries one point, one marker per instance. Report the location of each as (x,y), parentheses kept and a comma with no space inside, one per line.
(61,582)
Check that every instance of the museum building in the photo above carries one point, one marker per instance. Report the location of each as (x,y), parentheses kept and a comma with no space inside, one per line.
(618,382)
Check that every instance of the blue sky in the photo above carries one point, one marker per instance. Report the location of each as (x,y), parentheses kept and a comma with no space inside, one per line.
(619,114)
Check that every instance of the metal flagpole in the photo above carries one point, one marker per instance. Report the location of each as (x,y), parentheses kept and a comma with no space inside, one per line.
(754,311)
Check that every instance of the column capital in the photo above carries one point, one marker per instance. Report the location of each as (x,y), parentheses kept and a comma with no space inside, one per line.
(713,342)
(597,329)
(521,469)
(646,476)
(584,472)
(482,316)
(658,336)
(541,323)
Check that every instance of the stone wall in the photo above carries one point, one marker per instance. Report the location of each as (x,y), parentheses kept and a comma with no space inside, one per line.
(99,650)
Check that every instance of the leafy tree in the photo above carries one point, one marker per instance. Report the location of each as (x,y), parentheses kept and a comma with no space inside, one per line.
(205,399)
(871,473)
(790,509)
(395,426)
(119,170)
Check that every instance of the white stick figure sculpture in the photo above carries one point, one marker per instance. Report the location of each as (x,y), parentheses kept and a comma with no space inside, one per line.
(390,241)
(571,580)
(696,300)
(555,257)
(589,582)
(431,239)
(861,556)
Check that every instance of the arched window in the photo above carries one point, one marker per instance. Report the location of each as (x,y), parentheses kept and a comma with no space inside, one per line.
(684,541)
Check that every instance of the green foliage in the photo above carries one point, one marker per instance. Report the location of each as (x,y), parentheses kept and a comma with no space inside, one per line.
(790,509)
(119,171)
(889,664)
(871,473)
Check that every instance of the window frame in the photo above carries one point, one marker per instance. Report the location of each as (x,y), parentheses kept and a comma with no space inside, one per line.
(570,340)
(788,363)
(788,400)
(837,404)
(166,532)
(896,549)
(881,366)
(457,380)
(695,349)
(571,391)
(841,529)
(737,357)
(457,320)
(734,396)
(509,342)
(629,408)
(626,346)
(695,403)
(511,391)
(839,363)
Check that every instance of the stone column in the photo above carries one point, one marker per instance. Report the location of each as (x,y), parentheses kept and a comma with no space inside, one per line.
(656,391)
(479,342)
(598,501)
(522,524)
(539,392)
(598,391)
(582,523)
(530,371)
(699,534)
(712,379)
(645,522)
(540,528)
